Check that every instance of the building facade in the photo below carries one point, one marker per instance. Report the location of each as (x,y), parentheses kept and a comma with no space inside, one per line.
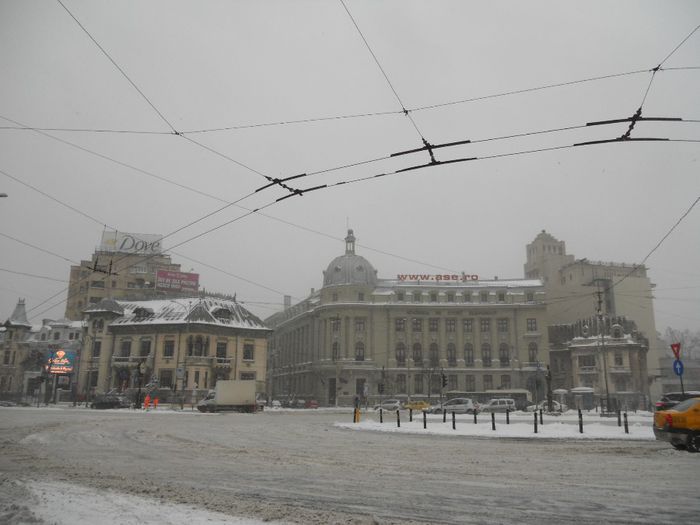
(183,344)
(360,335)
(126,266)
(572,287)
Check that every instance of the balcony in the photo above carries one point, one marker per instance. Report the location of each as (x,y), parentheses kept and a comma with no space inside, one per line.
(223,362)
(130,361)
(199,360)
(504,362)
(587,370)
(620,370)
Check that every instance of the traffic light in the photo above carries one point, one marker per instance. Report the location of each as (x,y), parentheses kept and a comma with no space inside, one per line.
(444,380)
(380,387)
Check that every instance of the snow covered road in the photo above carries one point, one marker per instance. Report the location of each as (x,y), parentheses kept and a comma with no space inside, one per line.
(305,467)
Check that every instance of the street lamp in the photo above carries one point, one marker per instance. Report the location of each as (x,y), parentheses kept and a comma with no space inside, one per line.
(601,327)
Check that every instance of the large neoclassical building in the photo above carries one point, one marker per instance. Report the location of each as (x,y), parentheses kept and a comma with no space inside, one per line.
(360,334)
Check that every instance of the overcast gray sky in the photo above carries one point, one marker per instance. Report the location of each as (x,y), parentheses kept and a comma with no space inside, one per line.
(222,64)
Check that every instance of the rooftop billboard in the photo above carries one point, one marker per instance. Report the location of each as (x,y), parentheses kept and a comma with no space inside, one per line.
(177,281)
(124,242)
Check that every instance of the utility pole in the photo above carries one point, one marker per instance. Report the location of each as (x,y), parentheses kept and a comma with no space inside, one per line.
(601,327)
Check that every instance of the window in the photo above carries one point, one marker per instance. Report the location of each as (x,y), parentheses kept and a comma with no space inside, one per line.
(433,297)
(114,284)
(43,336)
(450,297)
(530,297)
(505,382)
(433,325)
(450,325)
(467,297)
(484,297)
(501,297)
(502,326)
(335,325)
(400,325)
(221,349)
(468,326)
(70,336)
(418,384)
(145,347)
(486,355)
(532,352)
(401,296)
(416,297)
(618,359)
(93,300)
(247,376)
(417,354)
(360,296)
(56,335)
(586,361)
(400,354)
(485,325)
(469,354)
(417,325)
(532,325)
(336,350)
(334,297)
(400,383)
(96,348)
(360,386)
(166,378)
(97,284)
(248,351)
(504,354)
(488,382)
(359,325)
(451,354)
(434,355)
(435,383)
(452,382)
(125,348)
(197,346)
(359,351)
(621,384)
(168,348)
(469,384)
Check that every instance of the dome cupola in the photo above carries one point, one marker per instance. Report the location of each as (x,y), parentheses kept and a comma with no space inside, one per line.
(350,268)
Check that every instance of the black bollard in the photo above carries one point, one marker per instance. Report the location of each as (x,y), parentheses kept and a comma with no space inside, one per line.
(541,422)
(398,418)
(453,421)
(381,416)
(507,416)
(627,428)
(535,419)
(444,415)
(493,421)
(425,419)
(354,415)
(580,421)
(475,417)
(619,418)
(410,415)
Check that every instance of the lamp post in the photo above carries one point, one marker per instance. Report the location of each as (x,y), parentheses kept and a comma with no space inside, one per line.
(601,327)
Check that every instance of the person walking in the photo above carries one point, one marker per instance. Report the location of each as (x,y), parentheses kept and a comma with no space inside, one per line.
(155,403)
(146,401)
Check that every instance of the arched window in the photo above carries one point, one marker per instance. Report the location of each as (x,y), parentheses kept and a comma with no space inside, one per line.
(486,354)
(400,355)
(532,352)
(451,354)
(434,355)
(417,354)
(469,354)
(359,351)
(504,354)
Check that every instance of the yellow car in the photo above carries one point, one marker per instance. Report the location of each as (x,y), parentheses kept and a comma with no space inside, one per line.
(680,425)
(417,405)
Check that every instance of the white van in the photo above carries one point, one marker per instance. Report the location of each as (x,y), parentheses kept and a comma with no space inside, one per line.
(498,405)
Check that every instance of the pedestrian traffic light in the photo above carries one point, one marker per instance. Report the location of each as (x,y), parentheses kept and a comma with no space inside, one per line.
(380,387)
(444,380)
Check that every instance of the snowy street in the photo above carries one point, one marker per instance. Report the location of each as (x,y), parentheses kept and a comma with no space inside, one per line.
(308,466)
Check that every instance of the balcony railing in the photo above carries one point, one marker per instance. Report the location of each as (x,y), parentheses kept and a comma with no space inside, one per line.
(620,370)
(223,361)
(505,362)
(587,370)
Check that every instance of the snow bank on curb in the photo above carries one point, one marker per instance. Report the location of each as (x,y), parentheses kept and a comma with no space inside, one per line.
(553,430)
(63,503)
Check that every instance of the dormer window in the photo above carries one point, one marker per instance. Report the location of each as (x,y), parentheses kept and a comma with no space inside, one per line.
(223,314)
(143,313)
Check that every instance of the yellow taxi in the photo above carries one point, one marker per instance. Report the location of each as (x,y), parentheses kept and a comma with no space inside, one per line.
(417,405)
(680,425)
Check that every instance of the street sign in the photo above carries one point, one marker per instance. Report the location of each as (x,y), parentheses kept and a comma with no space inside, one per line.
(180,373)
(678,367)
(676,347)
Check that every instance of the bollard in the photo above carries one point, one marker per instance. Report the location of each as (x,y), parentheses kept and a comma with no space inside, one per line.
(381,416)
(475,417)
(619,418)
(493,421)
(398,418)
(541,422)
(627,428)
(535,418)
(425,419)
(354,415)
(410,415)
(453,421)
(507,416)
(580,421)
(444,415)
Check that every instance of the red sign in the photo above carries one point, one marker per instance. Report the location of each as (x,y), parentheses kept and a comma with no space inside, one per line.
(676,347)
(177,281)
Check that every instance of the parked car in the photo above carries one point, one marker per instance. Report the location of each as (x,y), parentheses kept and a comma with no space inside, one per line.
(417,405)
(680,425)
(389,404)
(311,403)
(544,405)
(458,405)
(498,405)
(111,399)
(671,399)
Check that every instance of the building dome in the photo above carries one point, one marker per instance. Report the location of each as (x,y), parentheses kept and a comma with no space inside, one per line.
(350,268)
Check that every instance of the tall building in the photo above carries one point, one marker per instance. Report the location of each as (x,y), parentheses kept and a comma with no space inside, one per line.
(126,266)
(572,287)
(173,344)
(361,335)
